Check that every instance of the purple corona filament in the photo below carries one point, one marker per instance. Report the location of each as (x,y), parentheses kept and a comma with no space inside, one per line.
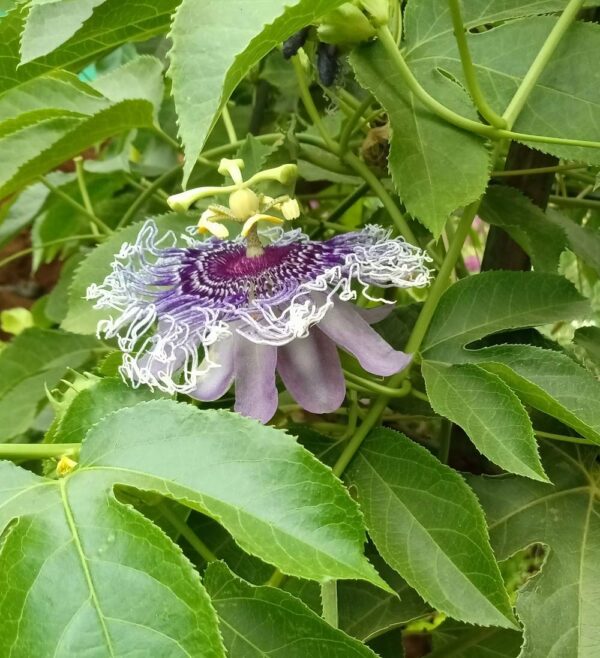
(197,319)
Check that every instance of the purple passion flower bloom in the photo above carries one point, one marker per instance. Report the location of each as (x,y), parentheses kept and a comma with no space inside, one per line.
(198,318)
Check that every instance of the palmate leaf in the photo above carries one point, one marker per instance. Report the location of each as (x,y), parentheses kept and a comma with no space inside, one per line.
(285,507)
(427,525)
(546,379)
(224,39)
(34,361)
(560,606)
(567,87)
(257,622)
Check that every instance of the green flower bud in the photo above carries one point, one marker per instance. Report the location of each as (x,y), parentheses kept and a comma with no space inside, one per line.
(345,25)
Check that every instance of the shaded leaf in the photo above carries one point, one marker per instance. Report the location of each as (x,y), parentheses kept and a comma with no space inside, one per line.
(114,23)
(559,606)
(427,525)
(34,360)
(589,339)
(49,120)
(543,235)
(92,404)
(462,641)
(488,411)
(203,40)
(265,621)
(549,381)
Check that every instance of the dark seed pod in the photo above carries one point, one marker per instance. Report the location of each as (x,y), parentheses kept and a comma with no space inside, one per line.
(327,63)
(292,45)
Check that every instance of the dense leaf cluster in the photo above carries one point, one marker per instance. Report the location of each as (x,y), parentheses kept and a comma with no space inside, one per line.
(451,510)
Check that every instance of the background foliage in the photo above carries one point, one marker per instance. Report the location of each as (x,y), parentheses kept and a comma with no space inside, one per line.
(465,525)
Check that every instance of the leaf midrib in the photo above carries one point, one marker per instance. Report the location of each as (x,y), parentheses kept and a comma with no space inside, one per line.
(439,548)
(84,565)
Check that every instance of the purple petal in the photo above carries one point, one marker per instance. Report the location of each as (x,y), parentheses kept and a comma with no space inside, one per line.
(349,330)
(216,381)
(311,371)
(255,390)
(376,314)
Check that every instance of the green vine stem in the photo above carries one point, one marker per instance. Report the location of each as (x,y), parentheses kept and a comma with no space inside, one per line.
(352,123)
(416,337)
(87,202)
(29,250)
(187,533)
(349,158)
(229,127)
(146,194)
(469,70)
(534,171)
(562,437)
(387,41)
(82,209)
(38,450)
(541,60)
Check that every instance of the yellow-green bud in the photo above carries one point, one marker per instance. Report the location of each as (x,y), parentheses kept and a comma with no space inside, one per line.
(345,25)
(378,9)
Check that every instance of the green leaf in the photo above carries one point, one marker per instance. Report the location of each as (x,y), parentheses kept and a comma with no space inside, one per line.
(50,23)
(527,224)
(82,317)
(366,612)
(496,301)
(430,179)
(285,507)
(204,39)
(254,153)
(549,381)
(68,551)
(543,235)
(462,641)
(34,360)
(114,23)
(545,379)
(427,525)
(92,404)
(49,120)
(569,85)
(488,411)
(559,606)
(292,631)
(589,339)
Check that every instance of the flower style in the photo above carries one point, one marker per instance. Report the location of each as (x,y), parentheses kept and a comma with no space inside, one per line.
(195,319)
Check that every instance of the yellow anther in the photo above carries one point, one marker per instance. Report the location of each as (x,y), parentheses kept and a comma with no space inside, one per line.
(290,209)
